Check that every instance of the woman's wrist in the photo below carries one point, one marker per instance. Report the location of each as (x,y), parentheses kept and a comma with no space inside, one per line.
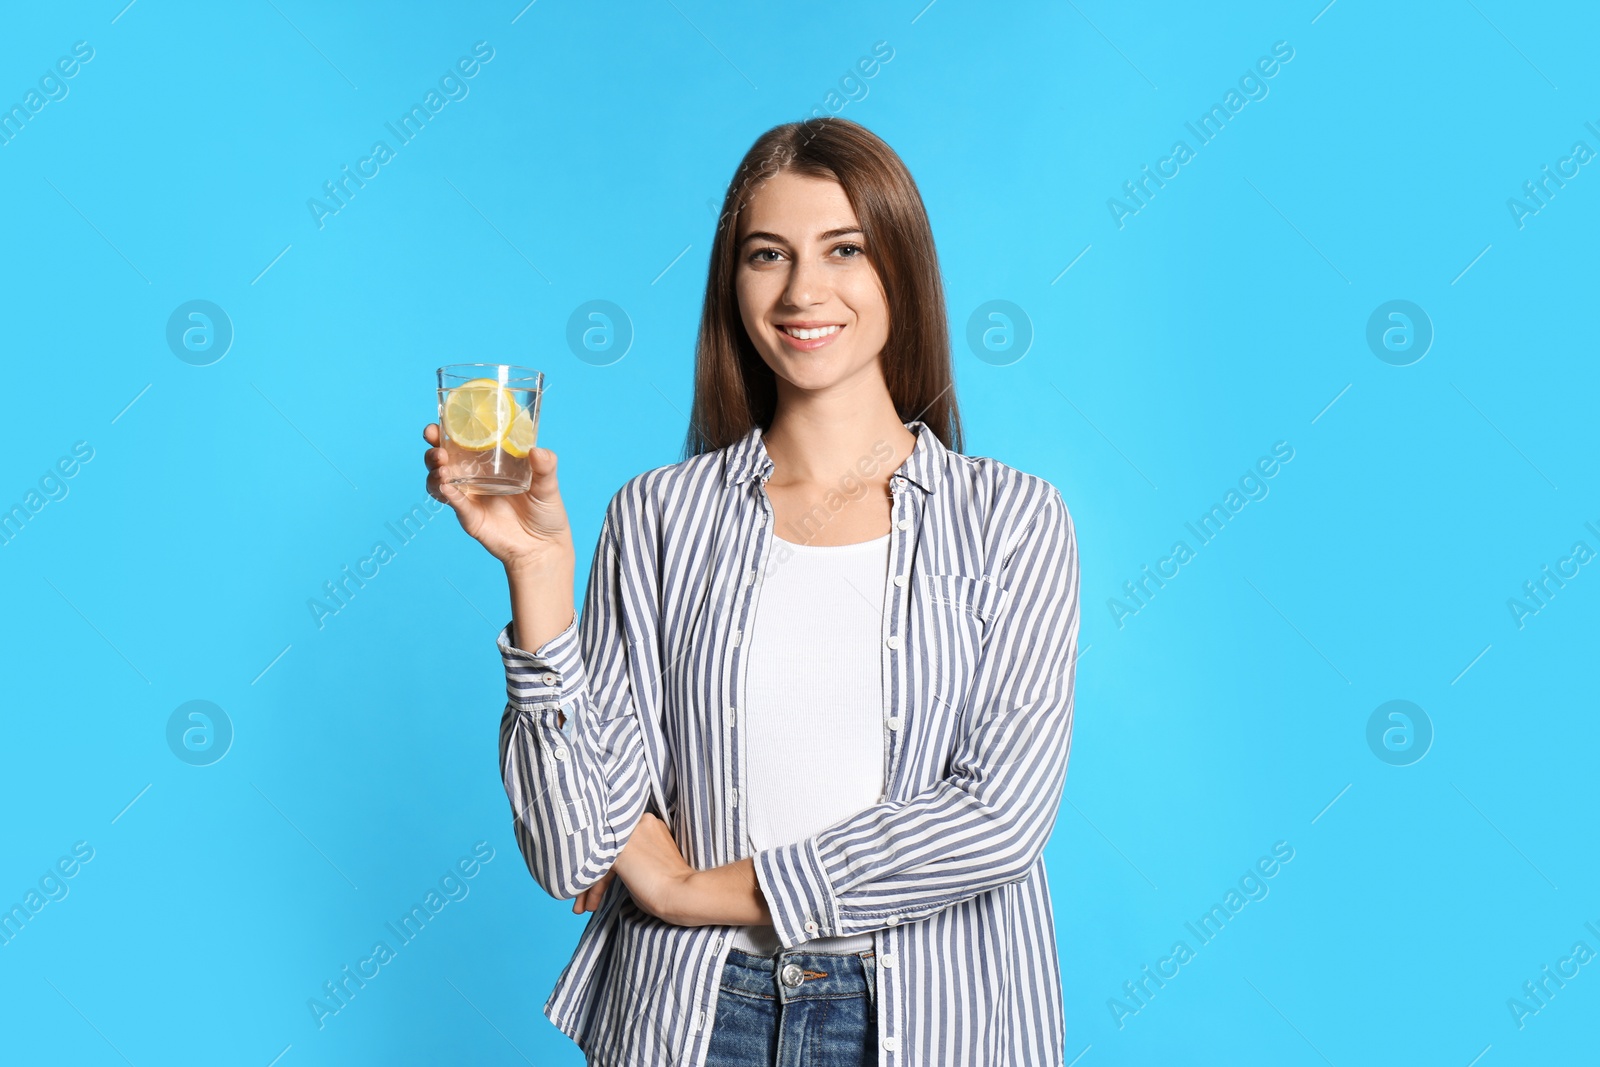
(535,565)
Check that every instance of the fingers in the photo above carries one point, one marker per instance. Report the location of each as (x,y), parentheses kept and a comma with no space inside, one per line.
(542,470)
(443,491)
(446,493)
(435,459)
(591,898)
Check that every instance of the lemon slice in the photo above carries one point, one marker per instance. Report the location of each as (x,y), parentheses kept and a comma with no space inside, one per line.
(477,414)
(519,437)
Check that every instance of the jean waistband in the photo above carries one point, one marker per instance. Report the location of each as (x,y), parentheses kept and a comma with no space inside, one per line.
(797,975)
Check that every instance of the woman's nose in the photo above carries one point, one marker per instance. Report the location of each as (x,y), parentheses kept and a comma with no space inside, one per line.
(806,284)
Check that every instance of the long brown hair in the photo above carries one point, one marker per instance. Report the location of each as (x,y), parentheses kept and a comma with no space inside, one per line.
(734,389)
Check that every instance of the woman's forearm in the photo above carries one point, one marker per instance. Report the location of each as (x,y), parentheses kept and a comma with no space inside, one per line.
(541,605)
(541,601)
(727,895)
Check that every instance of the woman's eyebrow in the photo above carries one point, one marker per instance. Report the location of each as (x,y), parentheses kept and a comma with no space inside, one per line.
(827,236)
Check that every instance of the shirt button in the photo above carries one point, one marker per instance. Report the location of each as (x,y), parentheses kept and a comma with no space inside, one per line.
(887,959)
(891,1043)
(551,678)
(893,920)
(900,579)
(559,753)
(792,975)
(893,642)
(811,926)
(893,722)
(903,524)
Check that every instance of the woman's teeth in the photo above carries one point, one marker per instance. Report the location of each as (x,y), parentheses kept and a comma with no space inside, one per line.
(809,335)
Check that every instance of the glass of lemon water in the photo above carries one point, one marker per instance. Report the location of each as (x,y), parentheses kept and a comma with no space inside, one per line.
(488,423)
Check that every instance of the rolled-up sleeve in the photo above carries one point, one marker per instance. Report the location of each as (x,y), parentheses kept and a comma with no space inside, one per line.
(986,822)
(577,792)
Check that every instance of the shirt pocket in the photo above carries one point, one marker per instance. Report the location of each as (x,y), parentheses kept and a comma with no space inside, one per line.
(960,611)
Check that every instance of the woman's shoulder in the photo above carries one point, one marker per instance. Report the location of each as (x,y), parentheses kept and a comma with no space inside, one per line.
(999,490)
(1006,508)
(646,494)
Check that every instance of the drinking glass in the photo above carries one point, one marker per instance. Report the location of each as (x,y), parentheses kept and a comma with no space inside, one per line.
(488,424)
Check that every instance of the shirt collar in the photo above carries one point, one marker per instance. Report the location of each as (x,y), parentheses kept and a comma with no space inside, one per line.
(747,458)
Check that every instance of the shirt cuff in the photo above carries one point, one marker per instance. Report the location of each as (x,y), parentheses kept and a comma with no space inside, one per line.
(798,892)
(548,677)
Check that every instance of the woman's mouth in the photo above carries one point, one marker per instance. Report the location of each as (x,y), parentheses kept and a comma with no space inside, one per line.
(810,337)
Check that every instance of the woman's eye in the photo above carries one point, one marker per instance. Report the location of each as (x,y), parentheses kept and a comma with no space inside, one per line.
(772,255)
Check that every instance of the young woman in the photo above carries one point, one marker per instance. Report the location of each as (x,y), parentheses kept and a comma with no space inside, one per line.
(816,715)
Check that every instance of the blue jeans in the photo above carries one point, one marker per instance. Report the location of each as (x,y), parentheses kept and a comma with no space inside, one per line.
(796,1009)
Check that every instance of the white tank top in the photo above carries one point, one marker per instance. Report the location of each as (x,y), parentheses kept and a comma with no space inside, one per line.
(813,720)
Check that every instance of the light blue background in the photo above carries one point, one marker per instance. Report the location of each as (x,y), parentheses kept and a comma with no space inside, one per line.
(590,155)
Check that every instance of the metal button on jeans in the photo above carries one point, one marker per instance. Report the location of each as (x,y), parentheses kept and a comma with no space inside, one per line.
(791,975)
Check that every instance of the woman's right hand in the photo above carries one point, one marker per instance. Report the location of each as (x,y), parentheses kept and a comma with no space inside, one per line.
(525,529)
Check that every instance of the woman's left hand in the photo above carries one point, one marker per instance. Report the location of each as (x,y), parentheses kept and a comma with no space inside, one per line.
(654,871)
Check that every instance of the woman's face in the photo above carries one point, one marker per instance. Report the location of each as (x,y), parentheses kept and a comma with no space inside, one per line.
(801,265)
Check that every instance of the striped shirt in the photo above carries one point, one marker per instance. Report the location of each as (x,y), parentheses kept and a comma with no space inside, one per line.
(979,636)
